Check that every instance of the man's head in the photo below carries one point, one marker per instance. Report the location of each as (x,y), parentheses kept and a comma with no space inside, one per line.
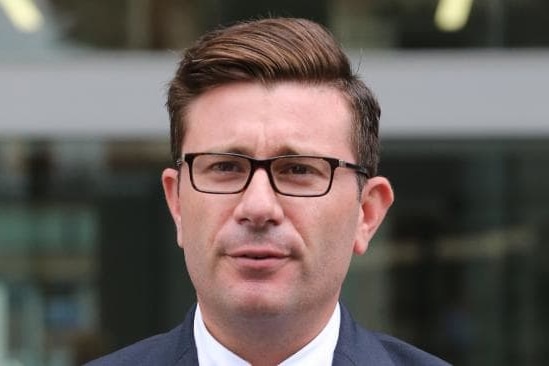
(270,51)
(267,228)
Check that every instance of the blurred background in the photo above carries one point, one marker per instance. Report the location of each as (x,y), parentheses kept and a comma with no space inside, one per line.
(88,259)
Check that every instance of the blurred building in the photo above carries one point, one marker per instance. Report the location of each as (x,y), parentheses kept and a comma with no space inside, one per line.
(88,260)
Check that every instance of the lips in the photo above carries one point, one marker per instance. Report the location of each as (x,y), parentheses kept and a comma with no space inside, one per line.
(258,260)
(257,253)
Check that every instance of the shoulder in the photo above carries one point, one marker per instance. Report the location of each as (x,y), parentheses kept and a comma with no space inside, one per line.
(175,347)
(358,346)
(162,349)
(403,353)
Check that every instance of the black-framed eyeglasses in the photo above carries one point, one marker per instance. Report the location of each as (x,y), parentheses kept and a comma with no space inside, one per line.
(289,175)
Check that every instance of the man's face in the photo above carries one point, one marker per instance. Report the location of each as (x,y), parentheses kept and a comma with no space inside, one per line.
(258,253)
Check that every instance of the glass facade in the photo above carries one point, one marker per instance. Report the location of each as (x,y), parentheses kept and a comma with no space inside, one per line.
(46,29)
(88,259)
(459,267)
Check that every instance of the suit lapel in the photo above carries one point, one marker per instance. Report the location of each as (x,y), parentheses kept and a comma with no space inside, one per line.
(186,346)
(357,346)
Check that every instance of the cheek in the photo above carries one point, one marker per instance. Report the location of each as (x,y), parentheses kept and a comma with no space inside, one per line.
(334,217)
(202,217)
(328,238)
(337,233)
(194,214)
(328,228)
(197,221)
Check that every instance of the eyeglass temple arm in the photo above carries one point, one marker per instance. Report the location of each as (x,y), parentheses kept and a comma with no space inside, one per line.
(357,168)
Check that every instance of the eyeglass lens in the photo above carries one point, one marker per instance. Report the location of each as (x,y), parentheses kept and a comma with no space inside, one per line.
(219,173)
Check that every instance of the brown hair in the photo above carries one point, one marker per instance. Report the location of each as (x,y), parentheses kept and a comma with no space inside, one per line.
(269,51)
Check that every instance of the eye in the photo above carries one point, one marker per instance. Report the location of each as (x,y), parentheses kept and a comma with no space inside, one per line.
(227,166)
(214,164)
(300,167)
(297,169)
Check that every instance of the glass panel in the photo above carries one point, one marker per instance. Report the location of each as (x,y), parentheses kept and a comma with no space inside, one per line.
(459,267)
(48,29)
(56,201)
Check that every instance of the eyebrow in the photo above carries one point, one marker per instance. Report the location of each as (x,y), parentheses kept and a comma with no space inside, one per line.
(277,152)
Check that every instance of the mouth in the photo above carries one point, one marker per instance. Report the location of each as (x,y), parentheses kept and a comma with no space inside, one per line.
(259,252)
(258,260)
(259,256)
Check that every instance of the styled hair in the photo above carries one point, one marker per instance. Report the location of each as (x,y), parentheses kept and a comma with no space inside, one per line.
(270,51)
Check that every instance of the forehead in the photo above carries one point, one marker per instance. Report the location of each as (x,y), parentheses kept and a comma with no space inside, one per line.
(258,119)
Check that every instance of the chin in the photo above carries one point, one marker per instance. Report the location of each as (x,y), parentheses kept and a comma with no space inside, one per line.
(260,306)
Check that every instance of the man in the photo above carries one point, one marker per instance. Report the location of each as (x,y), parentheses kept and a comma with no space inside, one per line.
(275,144)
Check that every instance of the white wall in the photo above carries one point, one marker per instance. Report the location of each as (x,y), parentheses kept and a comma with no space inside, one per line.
(443,94)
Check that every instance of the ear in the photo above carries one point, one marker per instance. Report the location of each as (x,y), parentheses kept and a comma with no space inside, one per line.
(376,198)
(170,182)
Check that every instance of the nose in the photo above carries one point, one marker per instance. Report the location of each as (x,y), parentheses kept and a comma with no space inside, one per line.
(259,205)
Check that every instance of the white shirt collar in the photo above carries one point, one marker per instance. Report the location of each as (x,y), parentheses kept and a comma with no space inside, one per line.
(318,352)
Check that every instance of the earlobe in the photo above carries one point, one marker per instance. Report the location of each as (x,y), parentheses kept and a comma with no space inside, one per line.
(170,183)
(377,196)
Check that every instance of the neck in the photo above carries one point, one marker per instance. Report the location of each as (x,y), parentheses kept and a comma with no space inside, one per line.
(266,340)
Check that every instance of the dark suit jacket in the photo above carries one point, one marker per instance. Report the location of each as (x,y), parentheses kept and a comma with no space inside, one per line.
(355,346)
